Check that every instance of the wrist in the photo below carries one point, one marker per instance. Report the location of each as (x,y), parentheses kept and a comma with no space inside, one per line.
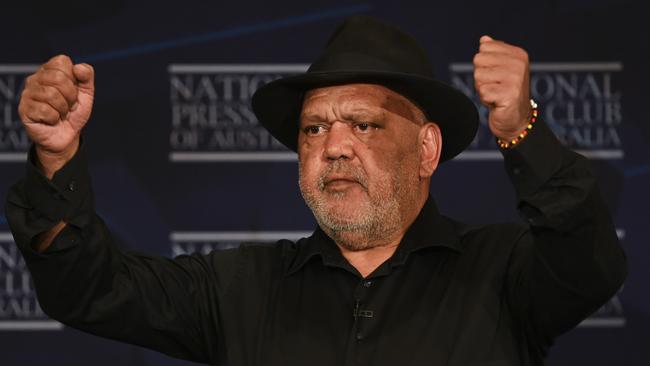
(50,162)
(508,136)
(509,140)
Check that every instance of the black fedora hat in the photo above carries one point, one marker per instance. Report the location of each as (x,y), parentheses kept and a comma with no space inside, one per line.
(366,50)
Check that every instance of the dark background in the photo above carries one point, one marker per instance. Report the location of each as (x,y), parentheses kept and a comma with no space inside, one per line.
(144,197)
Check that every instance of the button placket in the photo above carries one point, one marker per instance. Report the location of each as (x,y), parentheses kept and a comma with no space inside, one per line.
(361,314)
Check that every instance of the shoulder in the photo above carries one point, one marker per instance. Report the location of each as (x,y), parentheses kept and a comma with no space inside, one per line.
(257,259)
(487,233)
(223,267)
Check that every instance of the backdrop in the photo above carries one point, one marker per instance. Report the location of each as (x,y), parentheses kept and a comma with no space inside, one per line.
(179,163)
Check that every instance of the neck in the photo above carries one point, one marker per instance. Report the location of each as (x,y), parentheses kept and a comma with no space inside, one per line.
(365,261)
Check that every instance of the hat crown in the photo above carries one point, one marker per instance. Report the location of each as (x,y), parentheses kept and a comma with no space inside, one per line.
(365,50)
(365,43)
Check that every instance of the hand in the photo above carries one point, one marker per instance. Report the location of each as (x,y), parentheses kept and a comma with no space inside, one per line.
(501,78)
(55,105)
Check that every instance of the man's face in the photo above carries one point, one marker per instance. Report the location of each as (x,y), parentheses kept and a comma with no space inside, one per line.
(359,160)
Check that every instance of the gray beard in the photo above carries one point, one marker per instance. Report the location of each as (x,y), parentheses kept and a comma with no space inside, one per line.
(373,225)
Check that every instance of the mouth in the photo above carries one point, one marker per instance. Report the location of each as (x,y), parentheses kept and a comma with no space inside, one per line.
(339,182)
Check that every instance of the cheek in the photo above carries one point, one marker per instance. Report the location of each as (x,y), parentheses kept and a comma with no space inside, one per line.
(376,156)
(383,162)
(307,149)
(309,170)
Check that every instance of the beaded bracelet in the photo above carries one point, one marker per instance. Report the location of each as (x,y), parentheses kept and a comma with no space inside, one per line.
(507,144)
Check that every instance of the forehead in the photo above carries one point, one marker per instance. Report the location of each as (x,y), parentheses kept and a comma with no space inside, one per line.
(366,94)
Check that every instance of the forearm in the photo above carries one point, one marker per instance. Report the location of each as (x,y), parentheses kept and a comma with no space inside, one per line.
(569,262)
(45,239)
(49,163)
(83,280)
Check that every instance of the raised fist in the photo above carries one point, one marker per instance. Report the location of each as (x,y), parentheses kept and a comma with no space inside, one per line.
(55,105)
(501,78)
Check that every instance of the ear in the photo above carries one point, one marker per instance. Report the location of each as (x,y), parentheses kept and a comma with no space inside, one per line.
(430,140)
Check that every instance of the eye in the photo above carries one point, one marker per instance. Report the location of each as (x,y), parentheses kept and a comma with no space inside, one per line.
(365,127)
(313,130)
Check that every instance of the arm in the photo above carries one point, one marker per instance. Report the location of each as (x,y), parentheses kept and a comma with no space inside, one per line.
(568,262)
(83,280)
(80,276)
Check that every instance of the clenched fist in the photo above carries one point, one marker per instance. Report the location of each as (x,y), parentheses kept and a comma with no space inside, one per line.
(54,106)
(501,78)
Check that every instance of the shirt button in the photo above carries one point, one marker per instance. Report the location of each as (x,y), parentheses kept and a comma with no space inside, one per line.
(516,171)
(367,283)
(72,186)
(359,337)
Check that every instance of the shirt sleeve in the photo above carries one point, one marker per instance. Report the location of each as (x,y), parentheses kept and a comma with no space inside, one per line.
(568,261)
(84,281)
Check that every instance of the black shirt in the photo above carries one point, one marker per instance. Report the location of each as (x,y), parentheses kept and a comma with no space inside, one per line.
(452,294)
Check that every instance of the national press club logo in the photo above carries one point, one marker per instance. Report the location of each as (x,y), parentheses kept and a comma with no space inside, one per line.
(19,308)
(14,142)
(211,114)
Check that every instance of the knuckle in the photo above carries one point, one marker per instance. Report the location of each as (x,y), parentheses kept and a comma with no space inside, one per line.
(522,54)
(29,80)
(522,66)
(25,94)
(29,108)
(478,76)
(58,77)
(476,59)
(57,101)
(21,109)
(60,60)
(52,94)
(49,93)
(41,109)
(53,77)
(45,112)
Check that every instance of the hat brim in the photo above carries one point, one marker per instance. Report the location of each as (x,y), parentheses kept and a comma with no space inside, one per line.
(277,104)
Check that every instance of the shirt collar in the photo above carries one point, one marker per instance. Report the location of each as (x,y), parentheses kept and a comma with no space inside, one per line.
(430,229)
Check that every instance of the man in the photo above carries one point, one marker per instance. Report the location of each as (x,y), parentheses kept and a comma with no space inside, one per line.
(384,279)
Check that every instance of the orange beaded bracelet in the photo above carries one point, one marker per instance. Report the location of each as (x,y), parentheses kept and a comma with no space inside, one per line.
(507,144)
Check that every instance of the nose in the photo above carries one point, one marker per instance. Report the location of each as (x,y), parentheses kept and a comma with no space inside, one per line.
(339,143)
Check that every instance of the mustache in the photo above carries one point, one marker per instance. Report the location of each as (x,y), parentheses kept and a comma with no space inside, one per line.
(342,169)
